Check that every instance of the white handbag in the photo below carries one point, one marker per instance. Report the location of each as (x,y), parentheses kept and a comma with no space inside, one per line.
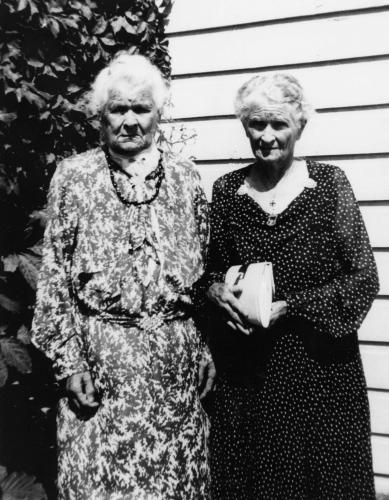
(257,284)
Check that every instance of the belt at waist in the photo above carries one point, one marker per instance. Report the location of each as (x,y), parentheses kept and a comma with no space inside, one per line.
(144,321)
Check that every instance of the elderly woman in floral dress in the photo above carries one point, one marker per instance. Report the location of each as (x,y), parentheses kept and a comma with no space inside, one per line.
(125,241)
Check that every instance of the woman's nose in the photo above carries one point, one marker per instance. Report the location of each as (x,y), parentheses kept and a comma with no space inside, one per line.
(129,119)
(267,136)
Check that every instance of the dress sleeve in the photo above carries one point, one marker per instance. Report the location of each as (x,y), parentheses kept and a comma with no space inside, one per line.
(201,213)
(219,253)
(339,307)
(55,328)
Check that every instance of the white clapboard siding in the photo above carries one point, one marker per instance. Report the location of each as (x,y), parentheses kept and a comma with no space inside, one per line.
(203,14)
(282,44)
(369,177)
(382,487)
(376,364)
(382,259)
(377,223)
(351,84)
(380,446)
(379,409)
(375,327)
(336,133)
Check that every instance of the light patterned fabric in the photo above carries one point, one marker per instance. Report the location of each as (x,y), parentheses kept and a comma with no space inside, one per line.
(108,302)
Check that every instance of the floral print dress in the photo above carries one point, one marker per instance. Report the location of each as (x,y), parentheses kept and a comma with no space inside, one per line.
(291,419)
(114,265)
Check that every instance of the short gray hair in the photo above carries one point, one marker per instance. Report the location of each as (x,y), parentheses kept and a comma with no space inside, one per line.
(268,85)
(135,69)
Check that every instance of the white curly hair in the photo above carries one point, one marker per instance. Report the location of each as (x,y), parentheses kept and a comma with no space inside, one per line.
(137,70)
(277,87)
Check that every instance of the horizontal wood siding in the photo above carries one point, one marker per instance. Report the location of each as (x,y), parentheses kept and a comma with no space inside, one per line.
(340,53)
(294,43)
(346,84)
(204,14)
(326,134)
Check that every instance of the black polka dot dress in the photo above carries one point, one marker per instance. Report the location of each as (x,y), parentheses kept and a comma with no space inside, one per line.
(290,417)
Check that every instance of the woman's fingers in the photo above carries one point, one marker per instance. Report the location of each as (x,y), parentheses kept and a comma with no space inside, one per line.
(202,366)
(81,390)
(210,381)
(225,298)
(89,390)
(232,325)
(232,314)
(278,310)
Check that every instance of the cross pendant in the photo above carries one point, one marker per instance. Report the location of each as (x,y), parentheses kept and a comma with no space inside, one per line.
(271,220)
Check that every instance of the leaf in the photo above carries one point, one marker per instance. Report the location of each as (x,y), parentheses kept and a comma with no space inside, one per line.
(22,4)
(33,7)
(54,26)
(21,486)
(23,335)
(33,98)
(9,304)
(71,23)
(3,472)
(108,41)
(10,263)
(35,63)
(3,371)
(7,117)
(29,270)
(15,354)
(59,68)
(73,88)
(100,27)
(141,27)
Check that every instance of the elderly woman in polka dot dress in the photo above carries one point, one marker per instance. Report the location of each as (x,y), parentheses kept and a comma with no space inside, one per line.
(291,416)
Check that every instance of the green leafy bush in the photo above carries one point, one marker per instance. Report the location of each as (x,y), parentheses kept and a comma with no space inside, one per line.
(50,50)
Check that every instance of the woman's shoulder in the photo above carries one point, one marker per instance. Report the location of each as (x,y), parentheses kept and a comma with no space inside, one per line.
(324,170)
(178,163)
(328,175)
(230,182)
(181,170)
(80,167)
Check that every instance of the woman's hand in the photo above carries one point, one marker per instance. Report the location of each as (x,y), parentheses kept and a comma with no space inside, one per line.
(224,297)
(207,373)
(81,390)
(278,310)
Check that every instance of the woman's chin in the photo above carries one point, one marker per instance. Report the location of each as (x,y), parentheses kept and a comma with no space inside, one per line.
(128,147)
(268,156)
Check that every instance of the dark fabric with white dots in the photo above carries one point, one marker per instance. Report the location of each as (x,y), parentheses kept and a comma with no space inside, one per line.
(290,417)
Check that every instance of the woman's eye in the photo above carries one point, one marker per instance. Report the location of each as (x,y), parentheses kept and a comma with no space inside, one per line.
(278,125)
(140,110)
(258,125)
(119,110)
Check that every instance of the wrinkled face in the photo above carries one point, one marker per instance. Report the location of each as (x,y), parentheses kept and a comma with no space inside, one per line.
(130,118)
(273,129)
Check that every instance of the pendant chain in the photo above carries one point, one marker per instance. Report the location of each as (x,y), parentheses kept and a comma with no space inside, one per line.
(159,173)
(272,216)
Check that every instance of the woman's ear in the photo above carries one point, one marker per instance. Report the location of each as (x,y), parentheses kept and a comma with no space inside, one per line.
(244,124)
(303,122)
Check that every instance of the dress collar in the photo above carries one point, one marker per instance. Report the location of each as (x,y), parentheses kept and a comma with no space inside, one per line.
(132,190)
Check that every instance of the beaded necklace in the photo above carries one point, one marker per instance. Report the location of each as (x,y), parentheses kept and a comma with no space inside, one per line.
(158,173)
